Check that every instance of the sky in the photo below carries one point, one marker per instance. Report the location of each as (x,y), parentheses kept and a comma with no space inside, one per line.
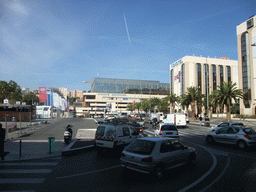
(60,43)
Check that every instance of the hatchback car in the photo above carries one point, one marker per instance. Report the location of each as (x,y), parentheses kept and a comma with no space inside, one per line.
(155,155)
(166,130)
(241,136)
(224,124)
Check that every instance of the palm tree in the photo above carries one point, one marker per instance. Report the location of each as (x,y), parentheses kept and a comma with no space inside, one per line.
(192,96)
(225,93)
(172,98)
(184,102)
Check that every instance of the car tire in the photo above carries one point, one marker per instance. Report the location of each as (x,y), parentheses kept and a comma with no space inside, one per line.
(210,139)
(159,171)
(241,145)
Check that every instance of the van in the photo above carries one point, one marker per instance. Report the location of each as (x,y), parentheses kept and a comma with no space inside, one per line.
(114,136)
(169,118)
(180,120)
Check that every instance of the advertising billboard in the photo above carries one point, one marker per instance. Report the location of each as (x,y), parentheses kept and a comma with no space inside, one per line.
(42,94)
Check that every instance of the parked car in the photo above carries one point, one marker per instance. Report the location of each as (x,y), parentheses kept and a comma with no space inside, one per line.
(229,124)
(155,155)
(241,136)
(167,130)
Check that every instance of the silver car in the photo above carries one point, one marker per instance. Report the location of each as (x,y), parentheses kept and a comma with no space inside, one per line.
(156,154)
(241,136)
(224,124)
(167,130)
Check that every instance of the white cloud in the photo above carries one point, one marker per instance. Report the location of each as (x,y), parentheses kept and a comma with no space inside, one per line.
(18,7)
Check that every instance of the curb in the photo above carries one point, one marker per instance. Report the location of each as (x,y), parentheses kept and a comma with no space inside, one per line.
(68,151)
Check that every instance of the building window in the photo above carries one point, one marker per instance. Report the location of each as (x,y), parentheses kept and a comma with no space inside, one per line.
(228,69)
(221,74)
(246,70)
(206,78)
(199,77)
(171,83)
(182,79)
(214,77)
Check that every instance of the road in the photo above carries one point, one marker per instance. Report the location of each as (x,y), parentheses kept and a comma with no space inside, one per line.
(218,168)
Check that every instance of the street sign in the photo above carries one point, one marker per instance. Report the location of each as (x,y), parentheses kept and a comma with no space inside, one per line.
(155,106)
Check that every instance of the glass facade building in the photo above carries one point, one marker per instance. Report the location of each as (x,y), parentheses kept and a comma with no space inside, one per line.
(128,86)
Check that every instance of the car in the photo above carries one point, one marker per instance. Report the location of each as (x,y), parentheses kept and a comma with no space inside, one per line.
(166,130)
(114,135)
(231,123)
(141,123)
(136,126)
(241,136)
(154,155)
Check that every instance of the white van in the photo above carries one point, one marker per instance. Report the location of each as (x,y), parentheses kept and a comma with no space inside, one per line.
(169,118)
(114,136)
(180,120)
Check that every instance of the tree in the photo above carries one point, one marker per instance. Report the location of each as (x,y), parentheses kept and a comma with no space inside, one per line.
(137,106)
(172,98)
(163,105)
(192,96)
(145,105)
(10,91)
(184,102)
(225,93)
(130,107)
(29,98)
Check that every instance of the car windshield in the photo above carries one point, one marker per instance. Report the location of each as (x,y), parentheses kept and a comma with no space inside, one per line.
(168,128)
(100,131)
(249,131)
(141,147)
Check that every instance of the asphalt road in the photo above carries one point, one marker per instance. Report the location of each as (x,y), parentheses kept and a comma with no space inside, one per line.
(218,167)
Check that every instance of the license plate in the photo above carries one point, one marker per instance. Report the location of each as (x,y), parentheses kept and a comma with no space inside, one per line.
(132,165)
(99,143)
(169,133)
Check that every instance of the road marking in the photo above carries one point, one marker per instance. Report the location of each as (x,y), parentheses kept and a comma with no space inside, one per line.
(221,174)
(26,171)
(30,164)
(22,180)
(75,175)
(206,174)
(34,141)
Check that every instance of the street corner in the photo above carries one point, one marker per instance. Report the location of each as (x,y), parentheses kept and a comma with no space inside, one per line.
(78,146)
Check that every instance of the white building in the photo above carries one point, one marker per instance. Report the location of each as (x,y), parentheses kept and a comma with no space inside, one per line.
(246,41)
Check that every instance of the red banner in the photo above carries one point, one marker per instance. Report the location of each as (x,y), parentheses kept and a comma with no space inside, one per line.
(42,95)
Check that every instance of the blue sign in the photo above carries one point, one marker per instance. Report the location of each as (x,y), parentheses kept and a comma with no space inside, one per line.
(155,106)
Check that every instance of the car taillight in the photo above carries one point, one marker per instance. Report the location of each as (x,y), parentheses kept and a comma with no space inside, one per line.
(147,159)
(122,154)
(141,130)
(247,137)
(160,131)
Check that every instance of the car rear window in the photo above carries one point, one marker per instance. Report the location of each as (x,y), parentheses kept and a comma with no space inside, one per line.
(168,128)
(249,131)
(141,147)
(100,131)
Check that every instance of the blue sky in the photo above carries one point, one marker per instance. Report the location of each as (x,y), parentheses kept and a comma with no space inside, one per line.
(60,43)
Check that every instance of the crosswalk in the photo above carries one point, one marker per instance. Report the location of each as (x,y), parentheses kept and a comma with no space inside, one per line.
(25,176)
(187,132)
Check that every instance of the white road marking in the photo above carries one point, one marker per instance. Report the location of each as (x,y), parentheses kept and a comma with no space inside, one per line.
(206,174)
(29,164)
(13,171)
(75,175)
(22,180)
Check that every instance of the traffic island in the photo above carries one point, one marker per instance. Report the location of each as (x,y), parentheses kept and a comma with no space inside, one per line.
(78,146)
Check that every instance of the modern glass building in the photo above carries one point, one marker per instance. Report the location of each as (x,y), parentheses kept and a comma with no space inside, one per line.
(246,40)
(128,86)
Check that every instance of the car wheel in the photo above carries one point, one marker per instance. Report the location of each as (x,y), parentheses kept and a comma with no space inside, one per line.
(241,145)
(210,139)
(159,172)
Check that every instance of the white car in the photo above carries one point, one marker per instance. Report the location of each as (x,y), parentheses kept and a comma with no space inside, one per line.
(167,130)
(156,154)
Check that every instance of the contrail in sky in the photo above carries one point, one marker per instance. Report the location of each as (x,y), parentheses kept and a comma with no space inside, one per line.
(127,29)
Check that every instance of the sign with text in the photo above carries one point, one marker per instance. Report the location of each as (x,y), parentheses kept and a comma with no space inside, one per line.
(42,94)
